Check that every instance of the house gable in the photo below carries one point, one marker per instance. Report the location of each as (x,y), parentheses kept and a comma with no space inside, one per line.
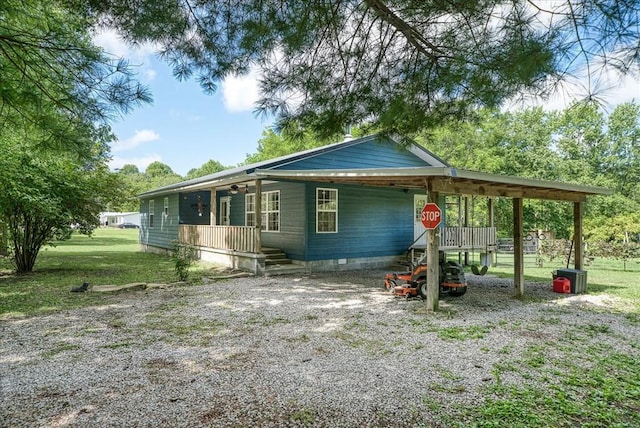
(368,152)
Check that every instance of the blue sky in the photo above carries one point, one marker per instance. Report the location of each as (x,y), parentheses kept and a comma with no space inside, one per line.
(184,127)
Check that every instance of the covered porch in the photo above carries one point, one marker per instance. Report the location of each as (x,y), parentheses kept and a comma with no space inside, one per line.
(244,241)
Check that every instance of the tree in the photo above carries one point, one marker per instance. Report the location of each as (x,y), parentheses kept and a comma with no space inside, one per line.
(274,144)
(209,167)
(50,67)
(399,65)
(159,174)
(45,192)
(58,93)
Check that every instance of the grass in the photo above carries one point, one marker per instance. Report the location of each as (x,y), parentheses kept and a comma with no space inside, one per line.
(603,275)
(110,256)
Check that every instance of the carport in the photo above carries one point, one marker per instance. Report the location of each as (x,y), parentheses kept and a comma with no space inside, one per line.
(438,181)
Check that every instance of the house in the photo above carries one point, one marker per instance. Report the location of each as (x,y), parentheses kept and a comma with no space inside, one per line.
(115,219)
(347,205)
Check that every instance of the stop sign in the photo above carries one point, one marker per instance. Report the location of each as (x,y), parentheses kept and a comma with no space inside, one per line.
(431,216)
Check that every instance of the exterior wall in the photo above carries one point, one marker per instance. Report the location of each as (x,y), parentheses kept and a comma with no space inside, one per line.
(195,207)
(291,237)
(370,154)
(165,227)
(372,222)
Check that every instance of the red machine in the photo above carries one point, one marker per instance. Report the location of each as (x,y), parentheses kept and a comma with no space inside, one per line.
(414,283)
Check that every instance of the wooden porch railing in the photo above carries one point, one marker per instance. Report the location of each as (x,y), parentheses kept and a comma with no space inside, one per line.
(238,238)
(468,237)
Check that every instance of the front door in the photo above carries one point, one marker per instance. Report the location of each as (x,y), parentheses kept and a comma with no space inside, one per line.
(225,210)
(419,201)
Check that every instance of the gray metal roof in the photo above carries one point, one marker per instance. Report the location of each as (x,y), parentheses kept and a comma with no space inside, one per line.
(445,180)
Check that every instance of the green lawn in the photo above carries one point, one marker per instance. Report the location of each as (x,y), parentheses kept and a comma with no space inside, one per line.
(110,256)
(603,275)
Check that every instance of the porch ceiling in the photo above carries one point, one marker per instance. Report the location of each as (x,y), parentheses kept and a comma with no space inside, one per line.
(444,180)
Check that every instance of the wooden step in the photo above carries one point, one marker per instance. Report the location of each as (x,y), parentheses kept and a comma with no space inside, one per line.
(278,261)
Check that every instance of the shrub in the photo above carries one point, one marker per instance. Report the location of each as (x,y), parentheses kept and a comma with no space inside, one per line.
(183,256)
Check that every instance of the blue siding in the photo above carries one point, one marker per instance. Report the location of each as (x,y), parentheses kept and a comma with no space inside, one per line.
(189,213)
(372,222)
(291,237)
(165,227)
(368,154)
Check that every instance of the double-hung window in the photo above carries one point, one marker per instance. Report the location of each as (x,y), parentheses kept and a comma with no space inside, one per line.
(270,210)
(326,210)
(152,208)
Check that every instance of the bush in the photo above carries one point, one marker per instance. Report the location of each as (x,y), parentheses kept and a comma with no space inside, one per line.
(183,256)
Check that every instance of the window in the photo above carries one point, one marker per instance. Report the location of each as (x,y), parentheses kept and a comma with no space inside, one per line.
(326,210)
(250,209)
(166,207)
(270,210)
(151,212)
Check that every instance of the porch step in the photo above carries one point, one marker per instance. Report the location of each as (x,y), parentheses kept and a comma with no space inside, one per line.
(289,269)
(275,256)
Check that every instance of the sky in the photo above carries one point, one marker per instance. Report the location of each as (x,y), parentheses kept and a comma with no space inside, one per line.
(184,127)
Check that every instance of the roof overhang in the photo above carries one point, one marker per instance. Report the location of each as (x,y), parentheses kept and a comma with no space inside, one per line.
(444,180)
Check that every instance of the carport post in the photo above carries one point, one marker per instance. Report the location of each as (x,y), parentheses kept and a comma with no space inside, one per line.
(518,247)
(433,272)
(578,246)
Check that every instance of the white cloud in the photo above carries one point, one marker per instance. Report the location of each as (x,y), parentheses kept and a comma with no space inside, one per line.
(140,137)
(138,55)
(609,89)
(141,162)
(240,93)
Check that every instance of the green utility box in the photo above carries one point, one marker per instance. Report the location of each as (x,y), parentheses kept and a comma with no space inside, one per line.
(577,277)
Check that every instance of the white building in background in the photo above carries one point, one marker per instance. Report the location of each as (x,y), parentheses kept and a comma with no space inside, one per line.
(115,219)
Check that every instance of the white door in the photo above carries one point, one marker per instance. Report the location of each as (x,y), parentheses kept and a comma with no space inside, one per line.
(419,202)
(225,210)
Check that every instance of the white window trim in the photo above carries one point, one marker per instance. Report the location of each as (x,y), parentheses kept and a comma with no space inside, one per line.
(166,206)
(318,211)
(152,208)
(265,212)
(246,209)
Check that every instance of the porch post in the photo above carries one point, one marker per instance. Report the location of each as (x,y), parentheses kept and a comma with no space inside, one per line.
(214,208)
(433,271)
(518,247)
(578,245)
(258,208)
(491,215)
(460,224)
(466,224)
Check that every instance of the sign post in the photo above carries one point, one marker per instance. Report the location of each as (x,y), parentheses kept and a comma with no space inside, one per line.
(431,216)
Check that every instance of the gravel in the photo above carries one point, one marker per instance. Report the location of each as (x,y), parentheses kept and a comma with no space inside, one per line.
(331,349)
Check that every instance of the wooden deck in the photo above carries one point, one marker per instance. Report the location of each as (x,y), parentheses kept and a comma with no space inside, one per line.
(463,238)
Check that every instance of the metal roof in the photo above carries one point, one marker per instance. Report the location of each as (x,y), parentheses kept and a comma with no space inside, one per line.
(445,180)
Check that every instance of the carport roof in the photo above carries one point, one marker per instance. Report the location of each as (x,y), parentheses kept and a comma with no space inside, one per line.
(445,180)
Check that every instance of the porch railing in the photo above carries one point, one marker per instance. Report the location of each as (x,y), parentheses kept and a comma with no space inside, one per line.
(238,238)
(468,237)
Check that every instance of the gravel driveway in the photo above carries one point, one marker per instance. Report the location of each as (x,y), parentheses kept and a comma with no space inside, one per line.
(317,350)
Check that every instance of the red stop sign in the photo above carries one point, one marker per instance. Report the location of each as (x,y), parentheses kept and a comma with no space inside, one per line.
(431,216)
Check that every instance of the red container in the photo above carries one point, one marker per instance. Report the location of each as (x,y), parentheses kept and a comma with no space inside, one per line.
(561,285)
